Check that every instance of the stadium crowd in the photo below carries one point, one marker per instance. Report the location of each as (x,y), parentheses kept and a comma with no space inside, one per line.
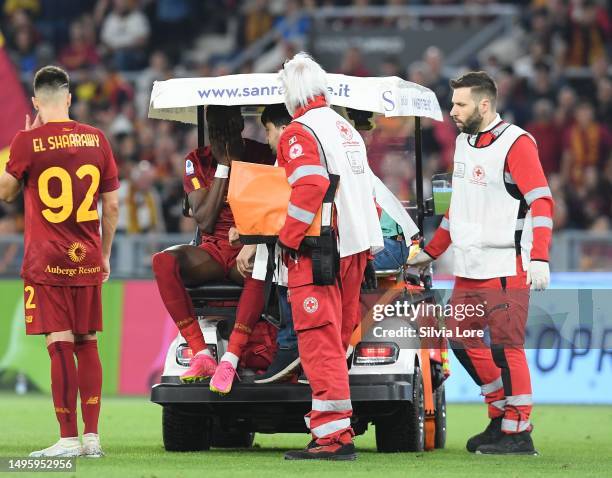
(553,74)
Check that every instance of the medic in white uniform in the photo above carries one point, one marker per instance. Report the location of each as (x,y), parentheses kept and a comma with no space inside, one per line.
(499,225)
(316,143)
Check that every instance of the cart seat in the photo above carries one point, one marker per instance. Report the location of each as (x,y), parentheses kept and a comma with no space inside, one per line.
(388,272)
(409,274)
(215,291)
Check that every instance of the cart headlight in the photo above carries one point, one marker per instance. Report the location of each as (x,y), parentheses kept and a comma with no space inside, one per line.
(376,353)
(184,354)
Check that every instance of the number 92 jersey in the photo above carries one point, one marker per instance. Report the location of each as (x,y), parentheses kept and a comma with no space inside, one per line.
(64,166)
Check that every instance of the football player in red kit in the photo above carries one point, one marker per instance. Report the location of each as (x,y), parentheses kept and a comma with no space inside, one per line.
(206,181)
(65,168)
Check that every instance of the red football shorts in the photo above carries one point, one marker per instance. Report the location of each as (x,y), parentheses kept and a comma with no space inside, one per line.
(54,309)
(221,251)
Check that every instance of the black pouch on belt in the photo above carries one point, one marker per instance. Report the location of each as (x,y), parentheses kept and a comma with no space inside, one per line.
(324,248)
(325,261)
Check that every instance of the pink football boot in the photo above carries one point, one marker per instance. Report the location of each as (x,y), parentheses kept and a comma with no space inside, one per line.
(202,366)
(223,378)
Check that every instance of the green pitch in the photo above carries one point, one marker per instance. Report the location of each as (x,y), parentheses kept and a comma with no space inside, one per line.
(573,440)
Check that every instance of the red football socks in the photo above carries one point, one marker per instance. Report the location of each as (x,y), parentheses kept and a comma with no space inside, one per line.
(64,386)
(89,375)
(249,310)
(177,300)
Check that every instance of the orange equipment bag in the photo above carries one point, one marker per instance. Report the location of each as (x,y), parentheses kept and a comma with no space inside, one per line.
(259,194)
(259,198)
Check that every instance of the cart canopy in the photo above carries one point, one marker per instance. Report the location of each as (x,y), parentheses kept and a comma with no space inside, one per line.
(177,99)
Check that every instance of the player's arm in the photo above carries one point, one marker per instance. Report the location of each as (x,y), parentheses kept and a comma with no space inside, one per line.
(109,195)
(9,187)
(206,204)
(110,216)
(309,180)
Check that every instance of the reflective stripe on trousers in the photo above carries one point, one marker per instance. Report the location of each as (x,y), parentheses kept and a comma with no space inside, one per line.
(515,426)
(331,405)
(492,386)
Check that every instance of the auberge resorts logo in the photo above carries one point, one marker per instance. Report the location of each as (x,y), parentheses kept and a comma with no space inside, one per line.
(72,271)
(77,252)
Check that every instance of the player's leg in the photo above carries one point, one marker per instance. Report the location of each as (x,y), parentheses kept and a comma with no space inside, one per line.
(175,268)
(89,373)
(60,346)
(250,308)
(48,312)
(287,358)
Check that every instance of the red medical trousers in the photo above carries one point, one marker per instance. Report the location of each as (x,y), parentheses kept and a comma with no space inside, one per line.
(317,317)
(500,368)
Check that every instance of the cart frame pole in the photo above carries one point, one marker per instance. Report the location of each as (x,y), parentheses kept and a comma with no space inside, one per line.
(201,126)
(418,146)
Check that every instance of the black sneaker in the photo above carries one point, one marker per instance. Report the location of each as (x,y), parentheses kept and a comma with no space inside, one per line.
(491,434)
(510,444)
(303,379)
(285,363)
(334,452)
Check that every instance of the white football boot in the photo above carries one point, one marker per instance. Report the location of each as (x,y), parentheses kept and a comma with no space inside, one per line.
(91,446)
(64,448)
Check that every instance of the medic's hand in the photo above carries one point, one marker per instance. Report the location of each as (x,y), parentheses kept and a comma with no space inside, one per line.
(234,237)
(246,259)
(370,282)
(421,261)
(538,275)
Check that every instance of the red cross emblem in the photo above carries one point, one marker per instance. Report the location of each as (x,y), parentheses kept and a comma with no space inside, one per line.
(478,173)
(345,131)
(296,151)
(311,305)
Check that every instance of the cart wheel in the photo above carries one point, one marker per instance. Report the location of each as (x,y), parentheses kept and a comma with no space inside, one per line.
(183,431)
(404,430)
(440,417)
